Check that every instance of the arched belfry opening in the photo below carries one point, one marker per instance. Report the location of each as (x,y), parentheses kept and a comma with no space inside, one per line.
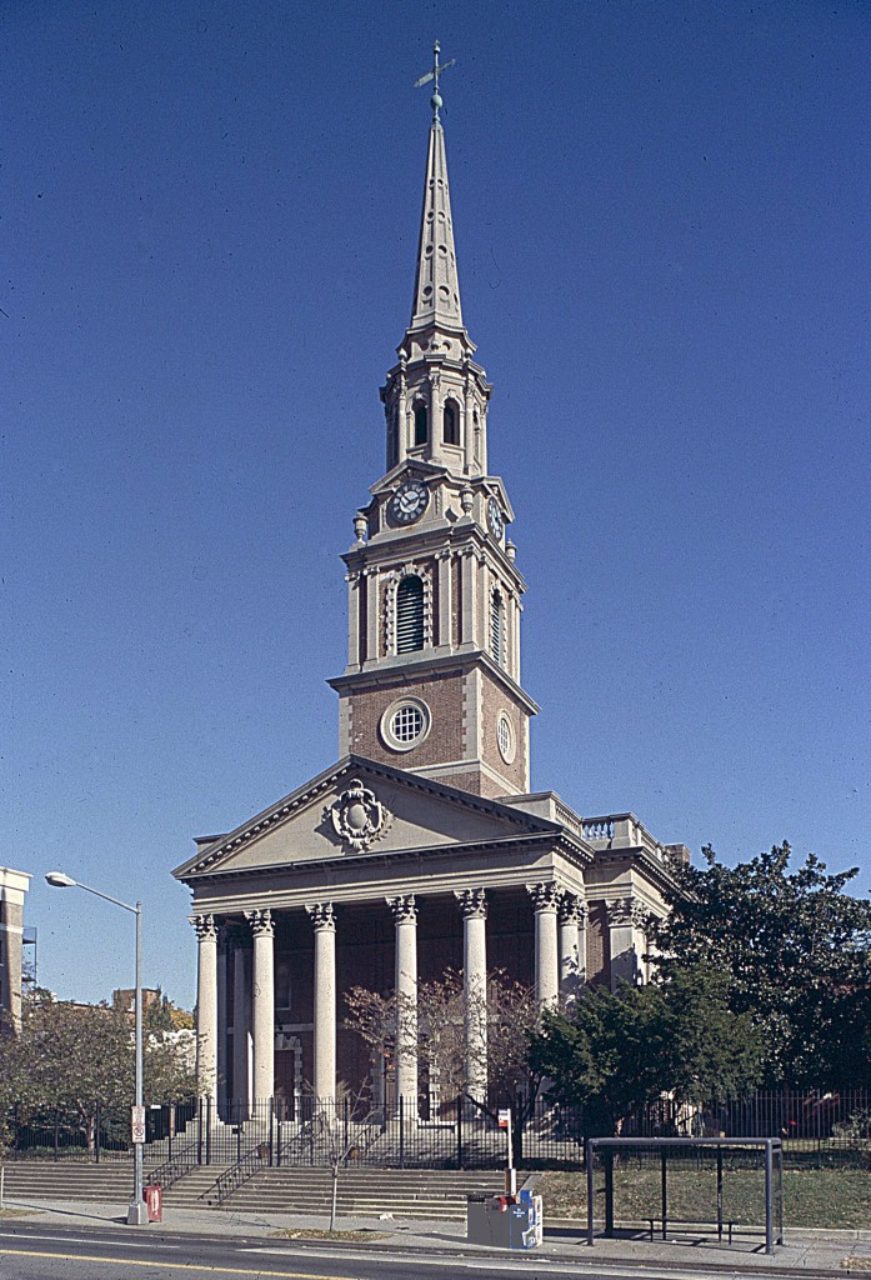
(421,423)
(409,614)
(451,423)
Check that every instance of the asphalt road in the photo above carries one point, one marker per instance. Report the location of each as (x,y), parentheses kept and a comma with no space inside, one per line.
(57,1252)
(33,1253)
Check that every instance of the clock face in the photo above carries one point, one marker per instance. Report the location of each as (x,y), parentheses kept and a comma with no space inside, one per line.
(495,519)
(409,502)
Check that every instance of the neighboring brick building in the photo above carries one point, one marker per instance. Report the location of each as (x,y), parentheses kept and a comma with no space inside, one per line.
(13,887)
(423,847)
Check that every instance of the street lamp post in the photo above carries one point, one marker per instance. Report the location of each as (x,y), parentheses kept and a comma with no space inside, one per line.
(137,1213)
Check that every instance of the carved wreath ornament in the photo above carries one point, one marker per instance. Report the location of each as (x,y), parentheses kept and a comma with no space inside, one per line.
(359,817)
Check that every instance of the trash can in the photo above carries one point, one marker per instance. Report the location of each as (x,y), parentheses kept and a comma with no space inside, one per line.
(153,1197)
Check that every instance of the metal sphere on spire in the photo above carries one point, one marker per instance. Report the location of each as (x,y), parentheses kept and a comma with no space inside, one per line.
(436,100)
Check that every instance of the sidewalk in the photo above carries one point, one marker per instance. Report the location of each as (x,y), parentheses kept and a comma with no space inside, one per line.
(805,1251)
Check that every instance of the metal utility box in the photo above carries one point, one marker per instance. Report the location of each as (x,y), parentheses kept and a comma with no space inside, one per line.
(502,1223)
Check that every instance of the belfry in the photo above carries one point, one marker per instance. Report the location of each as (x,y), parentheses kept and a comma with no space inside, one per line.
(424,847)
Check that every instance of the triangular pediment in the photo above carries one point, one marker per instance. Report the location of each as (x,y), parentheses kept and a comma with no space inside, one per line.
(356,809)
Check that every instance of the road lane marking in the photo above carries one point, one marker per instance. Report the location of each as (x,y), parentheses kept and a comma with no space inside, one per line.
(171,1265)
(119,1244)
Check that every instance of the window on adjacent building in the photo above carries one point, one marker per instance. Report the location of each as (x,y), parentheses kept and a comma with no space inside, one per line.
(451,423)
(497,628)
(421,423)
(409,614)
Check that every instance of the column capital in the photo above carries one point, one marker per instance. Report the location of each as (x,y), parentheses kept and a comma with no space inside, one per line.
(473,903)
(261,922)
(572,909)
(321,915)
(205,928)
(545,895)
(619,911)
(403,909)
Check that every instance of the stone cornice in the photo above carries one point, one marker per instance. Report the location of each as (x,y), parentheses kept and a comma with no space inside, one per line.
(535,843)
(392,672)
(390,548)
(653,869)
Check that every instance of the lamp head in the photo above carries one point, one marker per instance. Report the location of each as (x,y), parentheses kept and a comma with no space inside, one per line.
(59,880)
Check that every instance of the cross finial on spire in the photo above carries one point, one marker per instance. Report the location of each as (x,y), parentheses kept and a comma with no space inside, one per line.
(437,69)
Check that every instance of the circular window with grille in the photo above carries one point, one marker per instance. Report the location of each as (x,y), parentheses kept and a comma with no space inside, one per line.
(405,724)
(505,738)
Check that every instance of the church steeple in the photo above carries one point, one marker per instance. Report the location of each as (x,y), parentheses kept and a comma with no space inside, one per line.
(434,594)
(437,284)
(436,397)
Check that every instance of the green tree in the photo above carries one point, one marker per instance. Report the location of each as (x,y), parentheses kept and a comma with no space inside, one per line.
(511,1014)
(616,1052)
(794,949)
(77,1060)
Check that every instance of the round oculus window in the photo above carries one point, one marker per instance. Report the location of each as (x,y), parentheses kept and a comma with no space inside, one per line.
(505,738)
(405,724)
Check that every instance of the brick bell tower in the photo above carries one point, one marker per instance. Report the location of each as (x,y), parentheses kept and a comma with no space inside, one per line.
(432,683)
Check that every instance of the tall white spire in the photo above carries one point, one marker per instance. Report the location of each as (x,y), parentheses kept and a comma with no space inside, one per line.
(436,397)
(436,285)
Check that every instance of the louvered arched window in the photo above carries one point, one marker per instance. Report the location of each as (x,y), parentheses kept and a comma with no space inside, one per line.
(409,614)
(451,423)
(421,423)
(497,628)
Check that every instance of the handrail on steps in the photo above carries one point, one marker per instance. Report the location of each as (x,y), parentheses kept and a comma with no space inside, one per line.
(177,1166)
(254,1159)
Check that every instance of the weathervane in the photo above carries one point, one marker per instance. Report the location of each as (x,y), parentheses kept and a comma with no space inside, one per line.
(437,69)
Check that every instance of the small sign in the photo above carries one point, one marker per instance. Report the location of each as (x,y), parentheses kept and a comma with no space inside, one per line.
(503,1119)
(137,1124)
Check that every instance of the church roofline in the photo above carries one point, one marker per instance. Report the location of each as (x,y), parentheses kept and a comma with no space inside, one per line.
(302,796)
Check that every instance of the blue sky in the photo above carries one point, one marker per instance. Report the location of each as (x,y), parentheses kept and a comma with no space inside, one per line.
(209,232)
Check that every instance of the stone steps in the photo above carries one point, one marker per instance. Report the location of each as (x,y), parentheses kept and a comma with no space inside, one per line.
(66,1180)
(409,1193)
(406,1193)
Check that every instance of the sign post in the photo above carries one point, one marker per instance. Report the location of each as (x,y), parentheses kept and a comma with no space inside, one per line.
(137,1124)
(503,1119)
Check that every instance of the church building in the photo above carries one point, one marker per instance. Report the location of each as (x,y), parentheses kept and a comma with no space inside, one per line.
(423,847)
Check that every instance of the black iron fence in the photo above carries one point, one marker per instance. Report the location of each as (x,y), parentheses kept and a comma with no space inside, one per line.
(816,1127)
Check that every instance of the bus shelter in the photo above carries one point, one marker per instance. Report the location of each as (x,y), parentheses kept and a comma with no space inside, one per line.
(725,1158)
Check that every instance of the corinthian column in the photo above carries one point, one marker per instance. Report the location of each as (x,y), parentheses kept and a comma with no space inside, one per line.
(405,919)
(263,987)
(207,1004)
(473,904)
(241,1020)
(544,903)
(323,920)
(572,944)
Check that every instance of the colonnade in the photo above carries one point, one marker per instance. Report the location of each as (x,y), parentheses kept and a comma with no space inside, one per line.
(560,948)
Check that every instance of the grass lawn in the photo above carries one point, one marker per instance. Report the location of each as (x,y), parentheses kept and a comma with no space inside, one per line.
(812,1197)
